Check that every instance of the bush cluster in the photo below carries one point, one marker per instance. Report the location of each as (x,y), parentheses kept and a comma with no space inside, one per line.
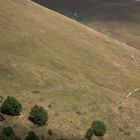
(12,106)
(39,116)
(98,128)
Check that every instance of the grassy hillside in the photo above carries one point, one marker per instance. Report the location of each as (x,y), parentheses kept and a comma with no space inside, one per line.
(117,18)
(48,59)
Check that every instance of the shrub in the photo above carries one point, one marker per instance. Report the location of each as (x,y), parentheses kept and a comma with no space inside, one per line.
(99,128)
(32,136)
(11,106)
(7,133)
(50,132)
(89,133)
(38,115)
(3,137)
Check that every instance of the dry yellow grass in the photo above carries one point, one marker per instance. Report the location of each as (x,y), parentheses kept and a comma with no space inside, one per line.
(47,58)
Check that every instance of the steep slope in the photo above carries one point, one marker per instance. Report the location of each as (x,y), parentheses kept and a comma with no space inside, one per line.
(48,59)
(117,18)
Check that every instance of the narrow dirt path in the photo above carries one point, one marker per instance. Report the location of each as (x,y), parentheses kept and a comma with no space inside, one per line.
(131,54)
(125,99)
(116,111)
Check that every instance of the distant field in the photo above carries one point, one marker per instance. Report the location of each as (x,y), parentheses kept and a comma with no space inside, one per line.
(117,18)
(51,60)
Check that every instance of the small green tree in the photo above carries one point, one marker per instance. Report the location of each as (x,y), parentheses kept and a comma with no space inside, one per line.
(38,115)
(11,106)
(99,128)
(32,136)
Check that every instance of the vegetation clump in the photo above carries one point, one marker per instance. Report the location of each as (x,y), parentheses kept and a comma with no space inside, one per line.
(11,106)
(32,136)
(7,133)
(89,133)
(50,132)
(99,128)
(38,115)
